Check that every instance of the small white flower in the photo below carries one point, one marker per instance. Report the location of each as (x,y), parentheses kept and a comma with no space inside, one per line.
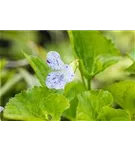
(1,108)
(62,73)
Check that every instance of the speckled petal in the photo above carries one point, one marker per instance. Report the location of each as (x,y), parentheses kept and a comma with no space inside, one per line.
(56,80)
(54,61)
(69,73)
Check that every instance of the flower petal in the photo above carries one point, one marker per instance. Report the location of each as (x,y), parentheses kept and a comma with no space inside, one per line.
(54,61)
(69,73)
(56,80)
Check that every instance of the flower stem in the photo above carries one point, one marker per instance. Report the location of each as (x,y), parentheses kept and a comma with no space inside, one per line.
(83,79)
(82,76)
(89,84)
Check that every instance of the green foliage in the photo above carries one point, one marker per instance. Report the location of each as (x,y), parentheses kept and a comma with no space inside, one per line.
(132,54)
(3,62)
(7,79)
(124,95)
(78,101)
(38,103)
(91,103)
(111,114)
(19,40)
(94,50)
(71,91)
(41,69)
(131,68)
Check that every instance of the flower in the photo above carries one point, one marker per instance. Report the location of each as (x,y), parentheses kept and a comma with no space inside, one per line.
(62,73)
(54,61)
(1,108)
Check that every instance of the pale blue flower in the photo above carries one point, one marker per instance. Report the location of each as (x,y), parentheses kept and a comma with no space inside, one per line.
(62,73)
(1,108)
(54,61)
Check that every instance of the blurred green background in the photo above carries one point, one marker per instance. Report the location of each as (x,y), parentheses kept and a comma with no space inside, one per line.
(17,75)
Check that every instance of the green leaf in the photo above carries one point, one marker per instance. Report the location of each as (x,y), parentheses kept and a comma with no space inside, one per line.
(70,113)
(91,103)
(132,54)
(95,51)
(71,91)
(38,103)
(102,62)
(120,119)
(124,95)
(111,114)
(131,68)
(41,69)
